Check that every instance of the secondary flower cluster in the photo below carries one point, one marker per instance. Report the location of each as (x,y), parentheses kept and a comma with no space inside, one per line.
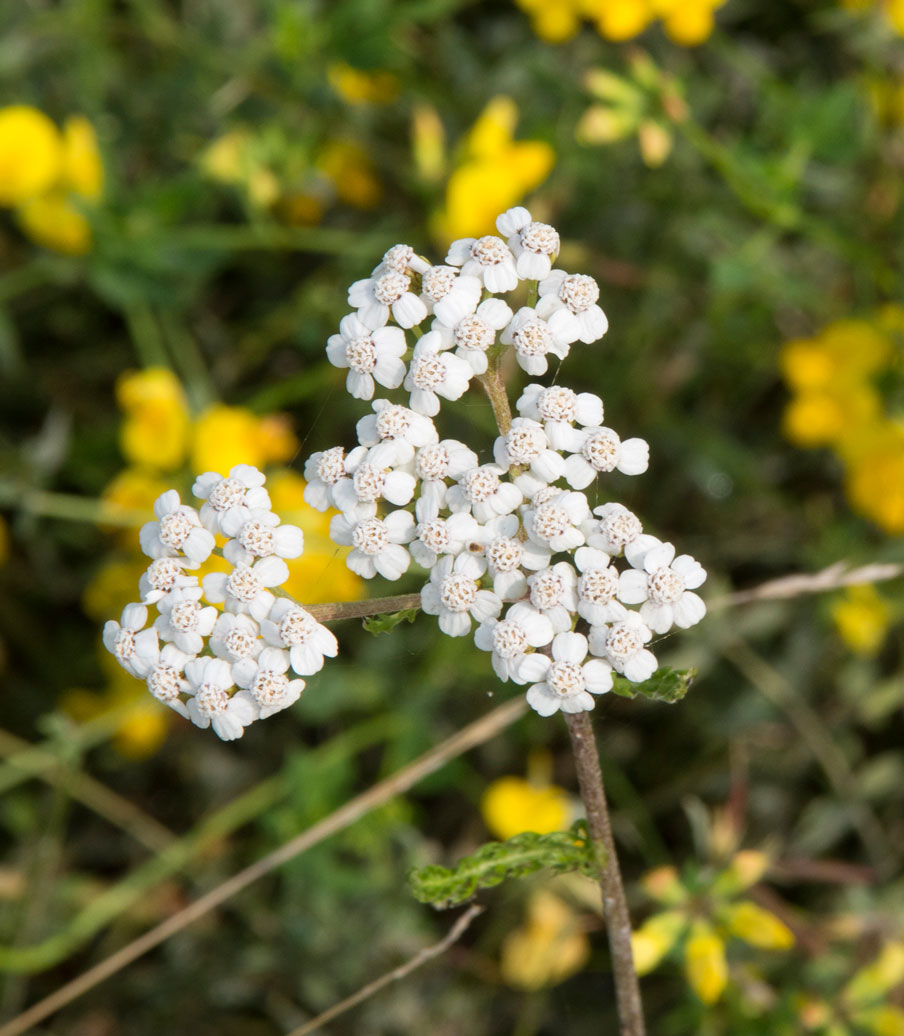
(254,641)
(562,595)
(513,548)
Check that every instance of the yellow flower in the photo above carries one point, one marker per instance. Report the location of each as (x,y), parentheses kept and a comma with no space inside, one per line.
(875,477)
(232,159)
(428,142)
(349,168)
(225,435)
(155,431)
(687,22)
(355,86)
(704,959)
(83,170)
(553,20)
(30,154)
(757,926)
(862,619)
(51,220)
(655,937)
(830,416)
(511,805)
(620,20)
(495,174)
(882,1021)
(548,948)
(874,981)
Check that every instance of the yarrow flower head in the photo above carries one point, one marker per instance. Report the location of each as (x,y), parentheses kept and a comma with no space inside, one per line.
(565,594)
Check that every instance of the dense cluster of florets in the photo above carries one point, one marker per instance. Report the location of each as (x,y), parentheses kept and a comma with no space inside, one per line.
(562,594)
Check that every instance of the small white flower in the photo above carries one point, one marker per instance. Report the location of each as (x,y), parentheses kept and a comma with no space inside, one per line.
(235,637)
(535,338)
(377,543)
(134,647)
(556,524)
(525,445)
(553,594)
(260,535)
(178,528)
(163,576)
(241,490)
(433,374)
(558,408)
(535,244)
(440,536)
(504,554)
(616,530)
(597,587)
(510,639)
(579,294)
(661,584)
(369,355)
(401,259)
(184,621)
(166,682)
(474,334)
(322,470)
(397,430)
(210,681)
(454,594)
(306,639)
(488,258)
(622,644)
(370,482)
(602,451)
(449,294)
(264,678)
(569,679)
(246,588)
(433,464)
(375,297)
(481,491)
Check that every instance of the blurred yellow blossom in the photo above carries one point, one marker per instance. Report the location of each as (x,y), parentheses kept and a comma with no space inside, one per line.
(705,964)
(875,476)
(862,618)
(830,416)
(349,168)
(892,9)
(428,142)
(130,495)
(356,86)
(495,173)
(112,586)
(155,431)
(548,948)
(686,22)
(223,436)
(30,154)
(52,221)
(82,167)
(235,158)
(511,805)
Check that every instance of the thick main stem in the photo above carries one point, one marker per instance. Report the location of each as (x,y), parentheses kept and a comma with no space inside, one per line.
(618,922)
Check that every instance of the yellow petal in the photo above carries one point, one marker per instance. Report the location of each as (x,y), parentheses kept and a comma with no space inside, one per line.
(758,927)
(512,805)
(546,950)
(663,885)
(883,1021)
(52,221)
(876,979)
(30,154)
(655,937)
(704,957)
(83,170)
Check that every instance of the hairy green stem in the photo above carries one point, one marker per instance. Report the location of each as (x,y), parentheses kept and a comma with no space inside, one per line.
(615,906)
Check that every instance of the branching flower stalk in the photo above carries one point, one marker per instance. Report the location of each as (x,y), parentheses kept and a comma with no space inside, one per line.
(563,596)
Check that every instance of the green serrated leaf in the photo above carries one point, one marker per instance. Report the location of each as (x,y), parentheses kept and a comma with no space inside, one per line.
(378,624)
(666,684)
(493,862)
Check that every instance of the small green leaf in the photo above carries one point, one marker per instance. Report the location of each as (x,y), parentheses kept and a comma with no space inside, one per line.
(493,862)
(666,684)
(378,624)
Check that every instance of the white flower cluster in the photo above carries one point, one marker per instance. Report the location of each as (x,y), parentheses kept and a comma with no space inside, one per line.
(515,552)
(257,638)
(513,548)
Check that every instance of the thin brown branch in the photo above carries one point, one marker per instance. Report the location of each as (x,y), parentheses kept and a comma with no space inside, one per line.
(835,577)
(615,905)
(361,609)
(403,971)
(401,781)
